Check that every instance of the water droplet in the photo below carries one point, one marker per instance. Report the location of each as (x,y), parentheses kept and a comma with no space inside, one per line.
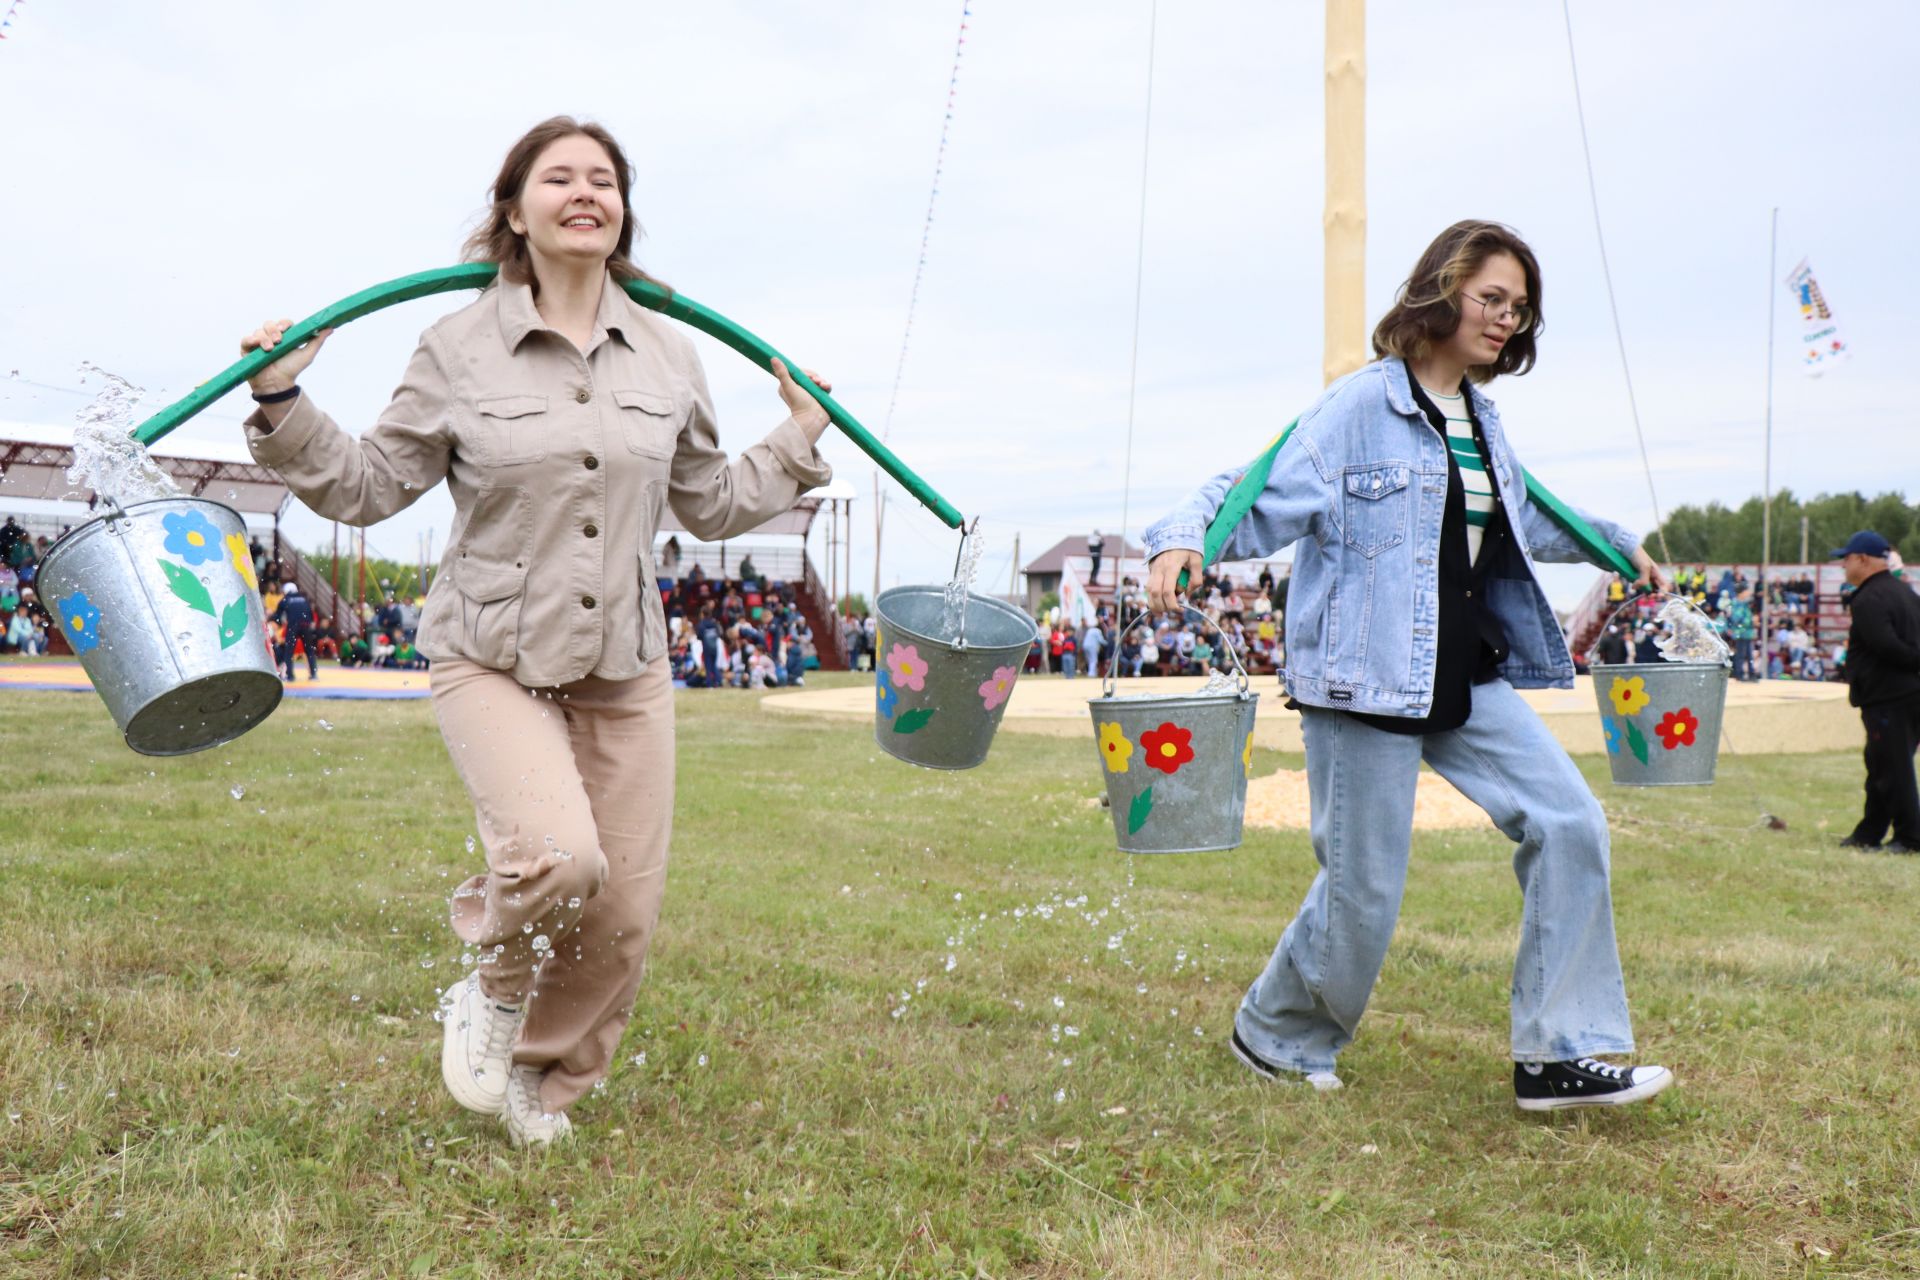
(701,1060)
(1072,1031)
(640,1059)
(573,904)
(469,844)
(354,999)
(1059,1002)
(1059,1095)
(324,725)
(540,943)
(953,963)
(237,792)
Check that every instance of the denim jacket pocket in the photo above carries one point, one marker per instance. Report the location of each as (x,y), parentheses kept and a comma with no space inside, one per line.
(649,422)
(1374,508)
(513,429)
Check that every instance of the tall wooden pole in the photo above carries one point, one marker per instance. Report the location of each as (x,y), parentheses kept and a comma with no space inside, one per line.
(1345,218)
(1766,481)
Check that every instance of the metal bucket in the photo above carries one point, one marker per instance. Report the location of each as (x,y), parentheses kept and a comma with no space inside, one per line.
(939,696)
(1176,765)
(1662,721)
(160,604)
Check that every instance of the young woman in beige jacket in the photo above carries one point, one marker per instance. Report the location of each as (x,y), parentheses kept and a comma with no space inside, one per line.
(562,415)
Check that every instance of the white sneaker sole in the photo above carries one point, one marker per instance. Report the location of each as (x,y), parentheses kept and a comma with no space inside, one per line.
(454,1072)
(1322,1081)
(1639,1093)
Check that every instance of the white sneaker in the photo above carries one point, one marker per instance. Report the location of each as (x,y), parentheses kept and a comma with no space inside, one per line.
(528,1123)
(476,1052)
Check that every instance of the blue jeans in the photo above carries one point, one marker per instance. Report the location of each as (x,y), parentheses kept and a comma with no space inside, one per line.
(1569,999)
(1066,665)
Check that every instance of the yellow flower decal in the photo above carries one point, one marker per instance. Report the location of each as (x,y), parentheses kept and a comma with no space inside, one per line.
(1246,757)
(1114,747)
(1629,696)
(242,559)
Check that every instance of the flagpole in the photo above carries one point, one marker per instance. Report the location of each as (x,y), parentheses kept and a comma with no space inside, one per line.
(1766,499)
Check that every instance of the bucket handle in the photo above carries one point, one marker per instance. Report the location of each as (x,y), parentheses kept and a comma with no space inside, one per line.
(1634,601)
(1107,682)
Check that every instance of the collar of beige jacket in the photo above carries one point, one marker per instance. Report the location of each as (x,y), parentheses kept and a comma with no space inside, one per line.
(519,317)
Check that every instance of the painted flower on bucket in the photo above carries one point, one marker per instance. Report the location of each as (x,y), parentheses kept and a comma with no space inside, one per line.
(1167,747)
(886,697)
(1676,728)
(1114,747)
(192,537)
(903,660)
(1000,688)
(81,621)
(242,559)
(1612,731)
(1629,696)
(1246,756)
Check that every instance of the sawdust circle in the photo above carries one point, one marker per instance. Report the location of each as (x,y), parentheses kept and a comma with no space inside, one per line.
(1280,800)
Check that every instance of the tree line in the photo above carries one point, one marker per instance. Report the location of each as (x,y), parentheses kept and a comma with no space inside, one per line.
(1720,534)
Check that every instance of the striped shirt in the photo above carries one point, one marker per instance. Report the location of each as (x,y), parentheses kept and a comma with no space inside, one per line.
(1474,480)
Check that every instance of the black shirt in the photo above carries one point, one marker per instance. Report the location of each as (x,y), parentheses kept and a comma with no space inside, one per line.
(1883,642)
(1470,643)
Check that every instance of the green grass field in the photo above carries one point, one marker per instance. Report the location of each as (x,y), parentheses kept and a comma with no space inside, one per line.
(218,1056)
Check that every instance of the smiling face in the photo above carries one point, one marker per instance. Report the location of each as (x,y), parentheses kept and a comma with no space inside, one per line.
(1488,311)
(569,210)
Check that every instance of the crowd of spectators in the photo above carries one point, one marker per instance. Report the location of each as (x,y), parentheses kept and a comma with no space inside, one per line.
(1793,651)
(1124,639)
(25,624)
(745,632)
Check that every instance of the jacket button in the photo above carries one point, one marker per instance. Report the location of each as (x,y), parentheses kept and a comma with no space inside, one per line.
(592,462)
(583,395)
(586,602)
(593,531)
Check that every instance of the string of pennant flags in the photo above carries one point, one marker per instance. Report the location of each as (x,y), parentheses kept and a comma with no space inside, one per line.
(12,7)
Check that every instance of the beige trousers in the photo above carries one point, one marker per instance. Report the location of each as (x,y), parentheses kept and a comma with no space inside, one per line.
(572,788)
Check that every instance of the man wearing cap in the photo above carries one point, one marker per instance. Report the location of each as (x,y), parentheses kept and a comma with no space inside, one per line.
(1883,675)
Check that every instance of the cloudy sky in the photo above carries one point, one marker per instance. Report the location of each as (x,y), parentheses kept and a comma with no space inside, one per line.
(177,173)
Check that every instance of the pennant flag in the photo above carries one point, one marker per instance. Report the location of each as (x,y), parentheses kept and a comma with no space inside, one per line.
(1822,347)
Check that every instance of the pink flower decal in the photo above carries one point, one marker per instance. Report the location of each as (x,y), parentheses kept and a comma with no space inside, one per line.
(903,660)
(1000,688)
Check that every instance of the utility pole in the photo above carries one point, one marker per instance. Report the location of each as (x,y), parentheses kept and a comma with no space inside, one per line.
(1766,506)
(1345,215)
(1013,571)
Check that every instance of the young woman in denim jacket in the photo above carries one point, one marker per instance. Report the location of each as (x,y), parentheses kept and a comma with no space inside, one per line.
(1413,616)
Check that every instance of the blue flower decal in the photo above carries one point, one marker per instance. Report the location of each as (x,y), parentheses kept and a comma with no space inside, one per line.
(1612,731)
(192,537)
(81,621)
(887,697)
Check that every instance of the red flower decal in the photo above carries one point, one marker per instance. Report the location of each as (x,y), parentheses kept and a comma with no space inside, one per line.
(1167,748)
(1676,728)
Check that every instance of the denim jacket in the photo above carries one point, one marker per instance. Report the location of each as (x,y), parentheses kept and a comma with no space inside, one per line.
(1360,490)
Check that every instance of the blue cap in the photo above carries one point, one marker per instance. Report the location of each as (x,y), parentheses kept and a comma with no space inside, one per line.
(1865,543)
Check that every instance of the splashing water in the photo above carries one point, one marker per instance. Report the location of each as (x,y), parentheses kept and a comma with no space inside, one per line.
(953,618)
(106,459)
(1691,637)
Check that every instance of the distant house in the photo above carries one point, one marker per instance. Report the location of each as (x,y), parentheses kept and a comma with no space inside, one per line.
(1043,572)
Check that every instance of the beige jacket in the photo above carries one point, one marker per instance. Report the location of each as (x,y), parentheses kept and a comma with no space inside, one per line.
(559,465)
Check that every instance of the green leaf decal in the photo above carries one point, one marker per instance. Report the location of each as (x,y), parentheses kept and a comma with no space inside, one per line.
(233,622)
(913,721)
(1137,811)
(189,588)
(1636,741)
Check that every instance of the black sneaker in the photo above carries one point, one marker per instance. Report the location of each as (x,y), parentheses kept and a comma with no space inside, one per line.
(1855,842)
(1899,846)
(1584,1082)
(1322,1081)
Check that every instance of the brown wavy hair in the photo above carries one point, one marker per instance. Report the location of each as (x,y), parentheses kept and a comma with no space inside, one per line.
(1426,310)
(496,241)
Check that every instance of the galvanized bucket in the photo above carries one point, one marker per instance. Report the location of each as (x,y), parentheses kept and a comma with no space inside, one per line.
(160,604)
(1661,719)
(1176,765)
(940,696)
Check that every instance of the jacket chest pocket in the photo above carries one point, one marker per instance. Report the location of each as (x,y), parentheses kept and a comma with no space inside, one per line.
(650,421)
(513,429)
(1375,507)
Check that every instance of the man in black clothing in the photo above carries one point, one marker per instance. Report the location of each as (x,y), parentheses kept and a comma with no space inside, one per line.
(1612,649)
(1883,677)
(297,615)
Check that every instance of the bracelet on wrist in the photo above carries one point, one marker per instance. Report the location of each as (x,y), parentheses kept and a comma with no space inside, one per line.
(277,397)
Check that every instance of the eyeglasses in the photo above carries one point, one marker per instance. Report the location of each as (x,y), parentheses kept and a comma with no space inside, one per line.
(1496,308)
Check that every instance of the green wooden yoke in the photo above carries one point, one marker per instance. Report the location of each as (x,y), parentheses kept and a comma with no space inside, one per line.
(477,275)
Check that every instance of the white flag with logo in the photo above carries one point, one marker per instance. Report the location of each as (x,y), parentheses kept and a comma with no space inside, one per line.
(1821,344)
(1074,605)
